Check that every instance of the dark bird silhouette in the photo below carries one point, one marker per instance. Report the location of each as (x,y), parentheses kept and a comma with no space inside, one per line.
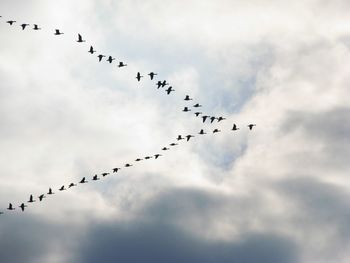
(197,105)
(197,113)
(186,109)
(169,90)
(105,174)
(11,22)
(189,137)
(165,149)
(115,170)
(156,156)
(24,26)
(164,83)
(83,181)
(91,50)
(148,157)
(31,199)
(41,197)
(80,39)
(216,130)
(187,98)
(138,159)
(57,32)
(212,119)
(179,138)
(201,132)
(128,165)
(173,144)
(138,76)
(36,27)
(121,64)
(110,59)
(234,128)
(50,192)
(152,74)
(250,126)
(221,119)
(204,118)
(95,178)
(10,207)
(159,84)
(71,185)
(100,57)
(22,206)
(62,188)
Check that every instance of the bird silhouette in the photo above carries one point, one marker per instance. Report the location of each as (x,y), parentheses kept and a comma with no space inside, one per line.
(234,128)
(156,156)
(169,90)
(221,119)
(159,84)
(50,192)
(216,130)
(104,174)
(197,105)
(10,207)
(187,97)
(148,157)
(57,32)
(173,144)
(115,170)
(95,178)
(201,132)
(204,118)
(62,188)
(186,109)
(22,206)
(100,57)
(188,137)
(31,199)
(138,159)
(212,119)
(152,74)
(24,26)
(36,27)
(128,165)
(197,113)
(83,181)
(164,83)
(121,64)
(11,22)
(80,39)
(165,149)
(110,59)
(41,197)
(250,126)
(91,50)
(138,76)
(71,185)
(179,138)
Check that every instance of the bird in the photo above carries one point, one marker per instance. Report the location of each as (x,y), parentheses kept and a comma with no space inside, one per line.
(10,207)
(31,200)
(173,144)
(138,159)
(197,105)
(91,50)
(159,84)
(169,90)
(121,64)
(251,126)
(197,113)
(83,181)
(216,130)
(104,174)
(204,118)
(152,74)
(221,119)
(148,157)
(128,165)
(50,192)
(164,83)
(165,149)
(115,170)
(201,132)
(57,32)
(95,178)
(186,109)
(234,128)
(212,119)
(138,76)
(100,57)
(80,39)
(189,137)
(62,188)
(156,156)
(36,27)
(41,197)
(22,206)
(71,185)
(179,138)
(24,26)
(11,22)
(187,97)
(110,59)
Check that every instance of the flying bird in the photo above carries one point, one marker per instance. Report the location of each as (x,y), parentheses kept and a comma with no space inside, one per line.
(234,128)
(138,159)
(165,149)
(204,118)
(110,59)
(179,138)
(164,83)
(212,119)
(189,137)
(91,50)
(105,174)
(24,26)
(22,206)
(187,98)
(83,181)
(95,178)
(115,170)
(80,39)
(152,74)
(138,76)
(41,197)
(221,119)
(197,113)
(100,57)
(62,188)
(50,192)
(128,165)
(57,32)
(148,157)
(36,27)
(11,22)
(201,132)
(197,105)
(173,144)
(169,90)
(186,109)
(10,207)
(251,126)
(156,156)
(31,200)
(72,185)
(121,64)
(159,84)
(216,130)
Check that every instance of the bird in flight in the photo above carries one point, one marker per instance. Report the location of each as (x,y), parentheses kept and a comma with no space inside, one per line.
(169,90)
(221,119)
(80,39)
(164,83)
(83,181)
(159,84)
(91,50)
(156,156)
(179,138)
(138,76)
(31,200)
(11,22)
(201,132)
(250,126)
(22,206)
(234,128)
(24,26)
(121,64)
(115,170)
(57,32)
(50,192)
(216,130)
(165,149)
(138,160)
(36,27)
(189,137)
(212,119)
(110,59)
(10,207)
(105,174)
(62,188)
(152,74)
(186,109)
(95,178)
(204,118)
(148,157)
(41,197)
(72,185)
(128,165)
(198,113)
(173,144)
(100,57)
(187,98)
(197,105)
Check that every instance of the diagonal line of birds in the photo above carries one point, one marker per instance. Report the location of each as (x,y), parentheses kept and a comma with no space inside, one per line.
(139,76)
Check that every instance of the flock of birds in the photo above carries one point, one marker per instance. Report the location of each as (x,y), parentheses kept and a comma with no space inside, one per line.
(159,84)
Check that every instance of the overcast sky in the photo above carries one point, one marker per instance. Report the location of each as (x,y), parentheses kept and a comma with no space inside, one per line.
(280,193)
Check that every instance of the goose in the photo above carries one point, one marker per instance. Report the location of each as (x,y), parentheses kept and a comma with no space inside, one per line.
(91,50)
(156,156)
(138,159)
(159,84)
(173,144)
(83,181)
(186,109)
(57,32)
(152,74)
(234,128)
(164,83)
(95,178)
(204,118)
(115,170)
(128,165)
(104,174)
(80,39)
(187,97)
(197,113)
(197,105)
(22,206)
(169,90)
(189,137)
(165,149)
(121,64)
(179,138)
(212,119)
(216,130)
(251,126)
(72,185)
(202,132)
(100,57)
(221,119)
(24,26)
(41,197)
(110,59)
(50,192)
(138,76)
(31,200)
(10,207)
(11,22)
(36,27)
(148,157)
(62,188)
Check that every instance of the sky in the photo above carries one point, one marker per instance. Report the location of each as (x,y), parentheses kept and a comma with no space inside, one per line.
(278,193)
